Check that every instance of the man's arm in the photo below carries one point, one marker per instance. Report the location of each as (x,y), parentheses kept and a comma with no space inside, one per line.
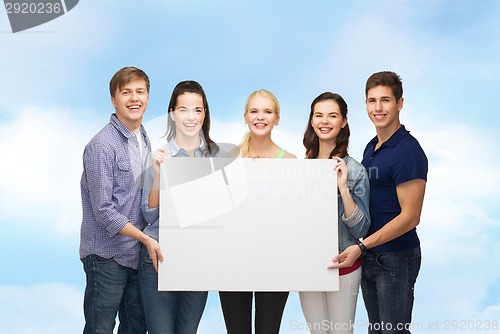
(151,244)
(98,164)
(411,198)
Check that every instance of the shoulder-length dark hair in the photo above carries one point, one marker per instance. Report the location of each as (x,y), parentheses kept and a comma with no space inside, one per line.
(311,140)
(191,86)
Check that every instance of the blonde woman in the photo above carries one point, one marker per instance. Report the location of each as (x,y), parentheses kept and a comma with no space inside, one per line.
(262,114)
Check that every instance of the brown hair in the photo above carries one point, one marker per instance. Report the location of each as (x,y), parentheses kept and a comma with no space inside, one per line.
(191,86)
(311,140)
(387,79)
(124,76)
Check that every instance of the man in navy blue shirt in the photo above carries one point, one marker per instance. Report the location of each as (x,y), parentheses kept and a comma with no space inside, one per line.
(397,168)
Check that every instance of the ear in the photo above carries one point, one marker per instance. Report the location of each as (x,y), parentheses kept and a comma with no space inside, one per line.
(113,101)
(172,115)
(344,122)
(277,120)
(400,104)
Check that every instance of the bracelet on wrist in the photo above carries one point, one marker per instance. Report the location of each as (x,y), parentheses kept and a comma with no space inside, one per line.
(363,248)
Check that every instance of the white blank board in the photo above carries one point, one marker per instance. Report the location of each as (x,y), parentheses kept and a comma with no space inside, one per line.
(248,225)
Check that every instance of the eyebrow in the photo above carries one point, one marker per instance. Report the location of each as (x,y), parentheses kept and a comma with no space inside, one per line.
(330,113)
(130,89)
(381,97)
(196,107)
(264,109)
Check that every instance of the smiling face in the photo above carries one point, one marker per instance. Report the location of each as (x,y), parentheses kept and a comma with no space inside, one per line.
(383,109)
(188,116)
(327,121)
(130,102)
(261,115)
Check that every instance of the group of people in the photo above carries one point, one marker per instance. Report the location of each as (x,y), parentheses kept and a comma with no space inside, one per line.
(379,206)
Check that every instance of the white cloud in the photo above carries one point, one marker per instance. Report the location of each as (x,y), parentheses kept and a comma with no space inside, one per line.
(458,220)
(41,168)
(52,308)
(489,319)
(48,62)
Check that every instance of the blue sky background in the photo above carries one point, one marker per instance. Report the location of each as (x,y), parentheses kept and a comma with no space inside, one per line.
(55,98)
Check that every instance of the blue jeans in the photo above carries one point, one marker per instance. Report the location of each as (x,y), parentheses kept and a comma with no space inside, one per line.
(168,312)
(111,288)
(387,283)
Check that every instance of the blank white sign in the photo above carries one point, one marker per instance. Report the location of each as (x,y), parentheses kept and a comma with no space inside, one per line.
(248,225)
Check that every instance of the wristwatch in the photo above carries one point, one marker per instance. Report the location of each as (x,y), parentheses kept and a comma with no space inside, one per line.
(363,248)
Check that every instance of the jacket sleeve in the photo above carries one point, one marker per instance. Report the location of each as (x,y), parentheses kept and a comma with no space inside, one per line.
(359,221)
(150,214)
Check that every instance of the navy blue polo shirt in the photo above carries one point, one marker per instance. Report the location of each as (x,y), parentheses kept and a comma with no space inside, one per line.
(398,160)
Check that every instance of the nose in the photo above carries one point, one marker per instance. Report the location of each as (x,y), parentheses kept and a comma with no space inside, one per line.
(324,119)
(191,114)
(378,105)
(134,96)
(260,115)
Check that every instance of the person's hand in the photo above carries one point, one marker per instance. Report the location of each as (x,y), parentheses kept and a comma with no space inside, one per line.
(158,158)
(154,251)
(346,258)
(340,169)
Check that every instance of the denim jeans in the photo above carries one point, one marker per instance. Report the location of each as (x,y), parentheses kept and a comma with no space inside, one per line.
(387,283)
(168,312)
(111,288)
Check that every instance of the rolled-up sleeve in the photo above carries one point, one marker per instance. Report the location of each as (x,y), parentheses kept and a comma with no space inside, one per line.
(359,221)
(98,163)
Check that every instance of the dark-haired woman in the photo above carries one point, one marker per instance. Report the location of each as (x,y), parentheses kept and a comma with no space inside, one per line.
(327,137)
(174,312)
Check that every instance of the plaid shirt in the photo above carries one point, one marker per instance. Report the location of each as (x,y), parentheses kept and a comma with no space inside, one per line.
(111,194)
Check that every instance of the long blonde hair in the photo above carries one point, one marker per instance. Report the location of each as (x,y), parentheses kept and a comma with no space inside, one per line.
(245,143)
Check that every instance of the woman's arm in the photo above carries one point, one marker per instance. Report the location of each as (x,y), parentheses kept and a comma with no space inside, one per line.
(359,221)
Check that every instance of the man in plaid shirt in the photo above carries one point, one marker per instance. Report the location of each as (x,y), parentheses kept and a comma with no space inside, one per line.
(112,223)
